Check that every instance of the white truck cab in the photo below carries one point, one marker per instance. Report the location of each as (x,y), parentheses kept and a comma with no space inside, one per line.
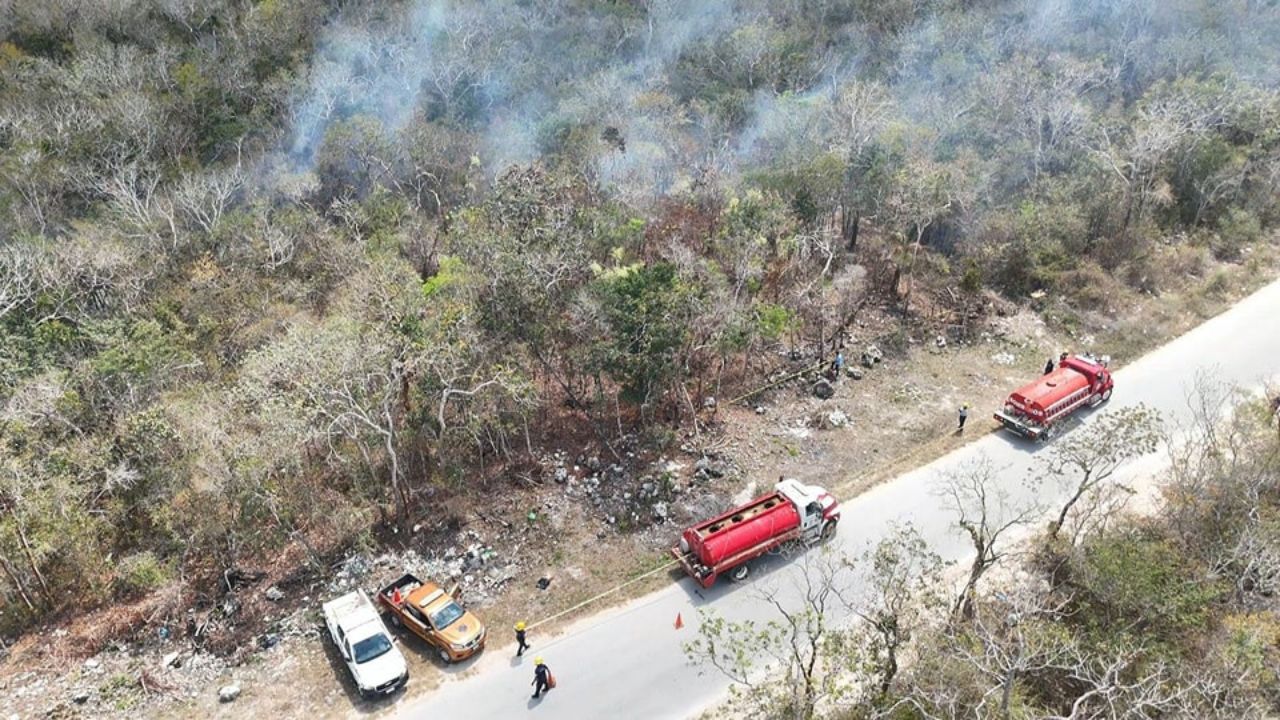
(366,647)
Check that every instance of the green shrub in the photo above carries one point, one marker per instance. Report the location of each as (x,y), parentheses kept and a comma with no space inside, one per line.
(1236,228)
(140,573)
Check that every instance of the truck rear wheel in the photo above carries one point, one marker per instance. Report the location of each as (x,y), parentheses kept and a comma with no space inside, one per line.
(739,573)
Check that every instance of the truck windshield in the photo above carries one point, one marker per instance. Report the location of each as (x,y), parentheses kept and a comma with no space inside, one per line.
(370,648)
(445,616)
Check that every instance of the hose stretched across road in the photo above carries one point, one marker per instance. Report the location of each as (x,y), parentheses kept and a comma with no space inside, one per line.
(610,591)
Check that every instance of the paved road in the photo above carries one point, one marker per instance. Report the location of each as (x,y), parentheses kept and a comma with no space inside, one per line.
(628,662)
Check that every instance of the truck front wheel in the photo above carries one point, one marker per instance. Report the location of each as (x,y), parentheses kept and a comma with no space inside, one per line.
(829,530)
(444,655)
(1106,395)
(739,573)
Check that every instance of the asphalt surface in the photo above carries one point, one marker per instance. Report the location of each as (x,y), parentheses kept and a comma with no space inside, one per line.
(629,661)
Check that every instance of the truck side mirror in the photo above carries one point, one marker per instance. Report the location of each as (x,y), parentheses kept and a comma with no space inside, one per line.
(454,591)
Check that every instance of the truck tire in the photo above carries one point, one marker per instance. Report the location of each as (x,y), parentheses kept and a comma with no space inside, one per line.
(1047,434)
(829,530)
(444,655)
(395,620)
(739,573)
(1106,395)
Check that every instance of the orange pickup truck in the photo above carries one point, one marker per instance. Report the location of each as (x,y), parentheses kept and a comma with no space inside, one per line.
(435,616)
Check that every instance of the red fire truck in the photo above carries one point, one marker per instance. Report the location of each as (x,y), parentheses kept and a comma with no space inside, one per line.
(726,543)
(1034,409)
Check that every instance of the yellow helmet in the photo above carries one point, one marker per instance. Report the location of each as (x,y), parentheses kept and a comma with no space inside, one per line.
(538,660)
(520,625)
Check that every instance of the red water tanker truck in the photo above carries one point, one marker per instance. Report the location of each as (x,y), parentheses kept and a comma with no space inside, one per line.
(1034,409)
(726,543)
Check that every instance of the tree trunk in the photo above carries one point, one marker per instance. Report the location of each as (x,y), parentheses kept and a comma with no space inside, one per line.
(1007,694)
(890,667)
(31,559)
(17,583)
(849,223)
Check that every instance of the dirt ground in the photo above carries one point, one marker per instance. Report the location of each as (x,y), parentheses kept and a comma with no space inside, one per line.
(590,531)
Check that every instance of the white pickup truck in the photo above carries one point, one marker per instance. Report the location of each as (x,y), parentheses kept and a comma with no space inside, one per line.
(362,640)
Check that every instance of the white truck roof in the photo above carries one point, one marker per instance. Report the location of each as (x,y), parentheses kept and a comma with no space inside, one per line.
(351,611)
(799,493)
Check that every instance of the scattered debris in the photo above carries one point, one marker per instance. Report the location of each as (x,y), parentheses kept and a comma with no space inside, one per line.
(856,373)
(544,583)
(824,389)
(274,594)
(872,356)
(837,419)
(228,693)
(759,409)
(170,660)
(1004,358)
(80,696)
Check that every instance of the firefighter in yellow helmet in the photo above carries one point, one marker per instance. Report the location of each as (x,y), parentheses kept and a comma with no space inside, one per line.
(522,645)
(541,677)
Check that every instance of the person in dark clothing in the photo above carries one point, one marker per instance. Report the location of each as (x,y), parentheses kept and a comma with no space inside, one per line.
(1048,367)
(541,675)
(964,415)
(520,639)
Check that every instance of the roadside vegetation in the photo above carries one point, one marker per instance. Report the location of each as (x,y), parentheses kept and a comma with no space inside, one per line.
(280,277)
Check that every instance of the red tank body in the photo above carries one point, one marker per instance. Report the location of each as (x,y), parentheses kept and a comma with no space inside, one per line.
(742,528)
(1036,398)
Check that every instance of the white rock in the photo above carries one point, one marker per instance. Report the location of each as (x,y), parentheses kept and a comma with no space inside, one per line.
(227,693)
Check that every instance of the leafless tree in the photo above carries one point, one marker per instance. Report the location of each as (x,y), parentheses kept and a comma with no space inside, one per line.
(1085,465)
(1016,636)
(985,513)
(787,666)
(904,584)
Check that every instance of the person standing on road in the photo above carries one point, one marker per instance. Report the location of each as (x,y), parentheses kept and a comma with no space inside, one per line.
(541,677)
(520,639)
(1048,367)
(964,415)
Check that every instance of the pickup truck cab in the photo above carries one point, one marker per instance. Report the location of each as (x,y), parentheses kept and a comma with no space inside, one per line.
(373,659)
(435,616)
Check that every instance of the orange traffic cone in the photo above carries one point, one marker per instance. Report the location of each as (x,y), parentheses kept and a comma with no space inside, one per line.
(679,621)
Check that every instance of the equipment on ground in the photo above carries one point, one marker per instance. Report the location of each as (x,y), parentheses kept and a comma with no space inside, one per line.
(1035,409)
(726,543)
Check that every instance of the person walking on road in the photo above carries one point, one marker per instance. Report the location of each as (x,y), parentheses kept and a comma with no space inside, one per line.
(964,415)
(520,639)
(541,677)
(1048,367)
